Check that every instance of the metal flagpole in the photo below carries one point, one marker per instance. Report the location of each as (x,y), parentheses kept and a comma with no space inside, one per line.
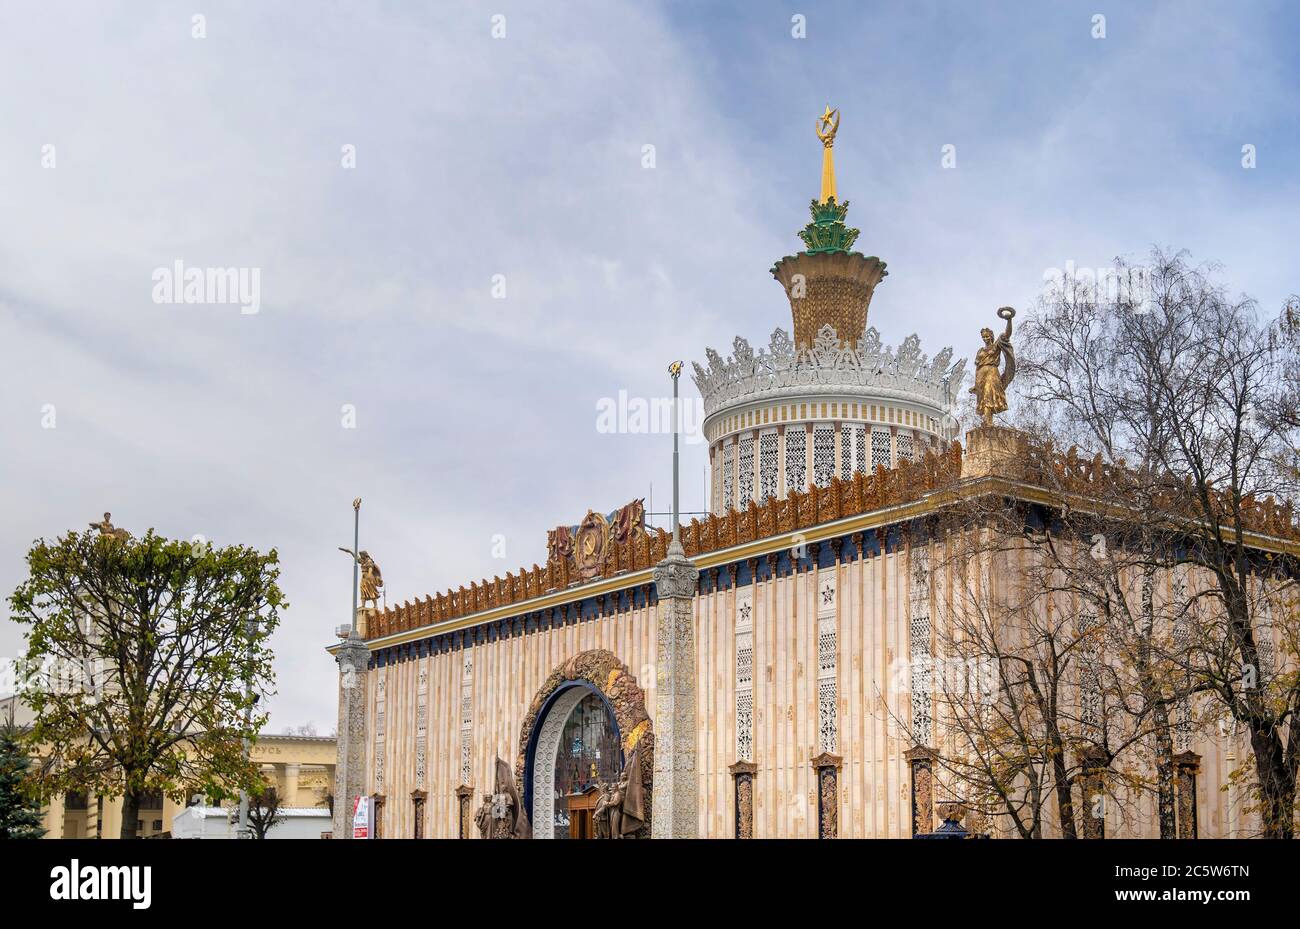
(356,558)
(675,370)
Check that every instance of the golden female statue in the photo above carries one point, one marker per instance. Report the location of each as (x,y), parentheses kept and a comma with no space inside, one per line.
(371,580)
(990,388)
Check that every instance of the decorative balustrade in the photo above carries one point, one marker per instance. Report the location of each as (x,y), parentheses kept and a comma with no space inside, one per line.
(1045,467)
(1072,472)
(862,493)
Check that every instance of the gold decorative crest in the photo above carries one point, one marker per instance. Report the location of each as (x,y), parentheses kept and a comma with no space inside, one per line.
(585,546)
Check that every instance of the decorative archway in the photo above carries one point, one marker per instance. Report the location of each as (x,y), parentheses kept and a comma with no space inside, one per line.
(595,672)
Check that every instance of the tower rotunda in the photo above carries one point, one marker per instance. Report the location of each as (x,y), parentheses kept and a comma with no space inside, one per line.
(833,400)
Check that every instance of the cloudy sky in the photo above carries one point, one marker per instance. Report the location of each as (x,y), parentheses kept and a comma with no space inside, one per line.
(128,143)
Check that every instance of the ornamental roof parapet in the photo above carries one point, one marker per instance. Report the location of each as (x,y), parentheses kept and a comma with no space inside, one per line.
(866,367)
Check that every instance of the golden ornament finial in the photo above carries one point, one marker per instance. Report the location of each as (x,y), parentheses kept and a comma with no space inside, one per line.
(827,125)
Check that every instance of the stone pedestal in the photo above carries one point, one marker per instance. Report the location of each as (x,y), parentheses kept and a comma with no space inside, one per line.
(350,765)
(675,812)
(995,451)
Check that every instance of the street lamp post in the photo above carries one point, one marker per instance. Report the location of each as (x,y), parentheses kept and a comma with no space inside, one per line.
(675,370)
(355,552)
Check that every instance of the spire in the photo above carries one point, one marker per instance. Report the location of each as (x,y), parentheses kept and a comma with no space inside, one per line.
(827,232)
(828,283)
(827,125)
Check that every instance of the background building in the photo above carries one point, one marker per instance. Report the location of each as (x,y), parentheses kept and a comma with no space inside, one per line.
(300,766)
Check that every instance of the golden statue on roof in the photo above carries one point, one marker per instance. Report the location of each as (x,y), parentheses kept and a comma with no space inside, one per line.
(990,388)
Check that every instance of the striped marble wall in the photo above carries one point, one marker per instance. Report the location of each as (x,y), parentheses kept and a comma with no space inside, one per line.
(873,595)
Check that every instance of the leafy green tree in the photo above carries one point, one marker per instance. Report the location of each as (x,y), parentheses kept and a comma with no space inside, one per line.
(145,658)
(20,813)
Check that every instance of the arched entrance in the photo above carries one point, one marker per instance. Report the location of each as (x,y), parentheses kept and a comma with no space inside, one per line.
(582,727)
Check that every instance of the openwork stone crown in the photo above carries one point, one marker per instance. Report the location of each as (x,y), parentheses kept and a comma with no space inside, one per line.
(867,367)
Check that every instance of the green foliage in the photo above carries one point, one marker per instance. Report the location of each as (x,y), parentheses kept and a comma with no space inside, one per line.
(20,813)
(143,663)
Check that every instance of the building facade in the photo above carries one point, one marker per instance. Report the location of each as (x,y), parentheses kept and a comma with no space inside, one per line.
(787,689)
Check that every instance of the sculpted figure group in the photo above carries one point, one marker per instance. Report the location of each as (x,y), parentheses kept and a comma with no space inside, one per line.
(620,810)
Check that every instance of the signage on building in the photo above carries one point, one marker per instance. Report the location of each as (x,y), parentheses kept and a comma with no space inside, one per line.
(361,818)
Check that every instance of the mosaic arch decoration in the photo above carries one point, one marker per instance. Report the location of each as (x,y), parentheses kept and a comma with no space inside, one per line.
(598,671)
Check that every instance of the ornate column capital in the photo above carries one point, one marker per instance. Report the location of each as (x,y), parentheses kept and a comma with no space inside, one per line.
(676,575)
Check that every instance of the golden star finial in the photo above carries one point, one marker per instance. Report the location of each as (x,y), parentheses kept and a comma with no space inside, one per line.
(827,125)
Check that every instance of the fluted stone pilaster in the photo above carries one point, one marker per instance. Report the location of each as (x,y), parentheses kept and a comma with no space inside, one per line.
(676,814)
(350,765)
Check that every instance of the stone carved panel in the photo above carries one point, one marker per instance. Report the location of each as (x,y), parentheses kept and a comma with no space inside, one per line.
(767,465)
(745,476)
(728,477)
(921,761)
(921,647)
(421,724)
(466,715)
(742,773)
(744,683)
(823,455)
(827,767)
(381,688)
(881,450)
(827,662)
(796,458)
